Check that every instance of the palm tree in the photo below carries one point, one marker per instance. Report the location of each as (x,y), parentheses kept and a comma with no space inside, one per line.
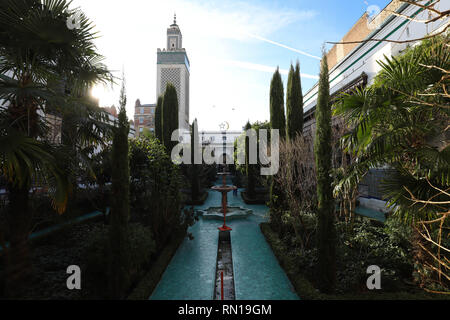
(402,121)
(85,128)
(43,64)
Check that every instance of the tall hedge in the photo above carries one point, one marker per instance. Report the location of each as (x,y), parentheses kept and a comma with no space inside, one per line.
(294,103)
(158,119)
(169,116)
(249,168)
(277,117)
(120,209)
(277,121)
(155,189)
(195,180)
(326,235)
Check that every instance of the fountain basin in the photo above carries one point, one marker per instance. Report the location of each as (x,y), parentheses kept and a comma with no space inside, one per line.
(232,213)
(223,188)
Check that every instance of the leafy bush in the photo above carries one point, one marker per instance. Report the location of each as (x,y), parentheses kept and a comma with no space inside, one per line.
(155,189)
(387,246)
(369,245)
(389,128)
(97,257)
(148,283)
(298,230)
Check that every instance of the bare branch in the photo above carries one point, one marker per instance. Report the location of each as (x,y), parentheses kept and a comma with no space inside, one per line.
(433,291)
(434,67)
(415,200)
(428,238)
(436,188)
(437,270)
(426,7)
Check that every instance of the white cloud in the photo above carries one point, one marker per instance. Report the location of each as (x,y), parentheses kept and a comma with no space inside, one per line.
(283,46)
(238,20)
(262,68)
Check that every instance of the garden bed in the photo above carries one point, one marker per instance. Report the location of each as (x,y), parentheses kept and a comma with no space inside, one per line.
(50,258)
(52,255)
(307,291)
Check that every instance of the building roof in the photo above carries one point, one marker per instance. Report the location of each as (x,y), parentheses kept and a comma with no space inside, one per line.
(174,24)
(383,19)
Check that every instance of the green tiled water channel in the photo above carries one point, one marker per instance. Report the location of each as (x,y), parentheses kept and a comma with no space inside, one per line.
(257,274)
(370,213)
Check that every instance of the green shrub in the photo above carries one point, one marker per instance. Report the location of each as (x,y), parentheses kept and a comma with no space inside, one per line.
(369,245)
(298,230)
(289,261)
(97,257)
(399,233)
(299,268)
(155,188)
(149,281)
(357,248)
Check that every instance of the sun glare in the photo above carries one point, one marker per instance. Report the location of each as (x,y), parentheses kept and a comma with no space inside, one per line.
(101,93)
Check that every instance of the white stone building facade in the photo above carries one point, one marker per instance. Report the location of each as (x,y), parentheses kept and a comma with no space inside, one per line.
(355,65)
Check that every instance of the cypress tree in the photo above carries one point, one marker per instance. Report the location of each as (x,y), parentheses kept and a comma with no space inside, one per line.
(294,103)
(169,116)
(277,117)
(249,168)
(277,121)
(294,113)
(322,149)
(120,210)
(158,120)
(195,183)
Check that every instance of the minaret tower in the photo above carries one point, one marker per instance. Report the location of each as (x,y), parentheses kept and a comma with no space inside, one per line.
(173,67)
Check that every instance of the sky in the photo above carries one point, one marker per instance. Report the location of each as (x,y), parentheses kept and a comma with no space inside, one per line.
(233,47)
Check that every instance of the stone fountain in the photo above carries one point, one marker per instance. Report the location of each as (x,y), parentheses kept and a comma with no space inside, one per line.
(224,211)
(224,189)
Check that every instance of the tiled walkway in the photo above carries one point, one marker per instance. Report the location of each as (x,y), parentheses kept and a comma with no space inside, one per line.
(257,274)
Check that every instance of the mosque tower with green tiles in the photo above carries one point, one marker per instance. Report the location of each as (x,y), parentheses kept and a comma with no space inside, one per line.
(173,67)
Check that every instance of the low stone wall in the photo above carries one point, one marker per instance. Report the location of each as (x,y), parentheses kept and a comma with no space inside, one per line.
(374,204)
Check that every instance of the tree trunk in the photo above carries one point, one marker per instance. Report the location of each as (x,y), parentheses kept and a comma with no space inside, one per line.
(19,223)
(23,116)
